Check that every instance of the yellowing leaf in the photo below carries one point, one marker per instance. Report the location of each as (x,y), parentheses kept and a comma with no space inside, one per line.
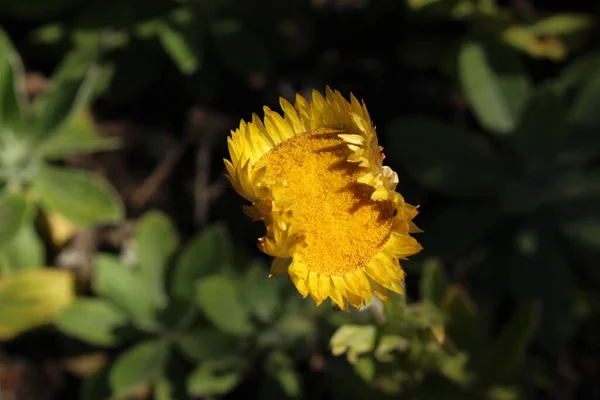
(32,299)
(539,47)
(61,229)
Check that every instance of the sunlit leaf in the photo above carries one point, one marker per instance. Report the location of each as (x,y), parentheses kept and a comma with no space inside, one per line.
(494,83)
(354,340)
(155,241)
(93,321)
(219,299)
(31,299)
(80,196)
(24,251)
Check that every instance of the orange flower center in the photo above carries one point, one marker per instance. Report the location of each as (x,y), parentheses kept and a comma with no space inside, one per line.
(342,226)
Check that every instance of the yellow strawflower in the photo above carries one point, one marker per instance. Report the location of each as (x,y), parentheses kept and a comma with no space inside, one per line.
(333,218)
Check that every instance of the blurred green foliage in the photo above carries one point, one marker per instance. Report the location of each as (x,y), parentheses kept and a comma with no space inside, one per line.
(506,170)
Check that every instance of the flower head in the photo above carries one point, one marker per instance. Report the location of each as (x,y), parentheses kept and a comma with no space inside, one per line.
(333,219)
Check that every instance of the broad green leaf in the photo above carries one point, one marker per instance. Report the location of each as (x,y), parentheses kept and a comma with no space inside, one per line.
(77,136)
(219,299)
(508,353)
(475,219)
(72,88)
(458,166)
(80,196)
(233,42)
(127,290)
(206,380)
(24,251)
(205,254)
(203,344)
(155,241)
(543,127)
(354,340)
(281,367)
(15,210)
(12,86)
(94,321)
(140,365)
(521,38)
(389,344)
(584,110)
(536,253)
(579,71)
(494,83)
(259,294)
(31,299)
(456,369)
(180,37)
(433,282)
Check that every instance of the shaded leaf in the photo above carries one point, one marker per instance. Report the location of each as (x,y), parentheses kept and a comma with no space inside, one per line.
(96,387)
(508,353)
(206,380)
(542,130)
(578,71)
(31,299)
(584,110)
(220,301)
(463,325)
(93,321)
(260,296)
(116,282)
(24,251)
(281,367)
(458,166)
(80,196)
(205,254)
(155,241)
(433,282)
(206,344)
(494,83)
(15,210)
(140,365)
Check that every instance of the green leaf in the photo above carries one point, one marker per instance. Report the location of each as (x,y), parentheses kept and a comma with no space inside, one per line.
(206,254)
(562,24)
(464,326)
(542,130)
(584,110)
(24,251)
(32,299)
(535,254)
(281,367)
(433,282)
(389,344)
(204,344)
(127,290)
(82,197)
(15,210)
(233,42)
(207,380)
(508,353)
(475,220)
(140,365)
(459,166)
(13,100)
(77,136)
(219,298)
(93,321)
(354,340)
(72,88)
(180,37)
(579,71)
(260,296)
(155,242)
(96,387)
(494,83)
